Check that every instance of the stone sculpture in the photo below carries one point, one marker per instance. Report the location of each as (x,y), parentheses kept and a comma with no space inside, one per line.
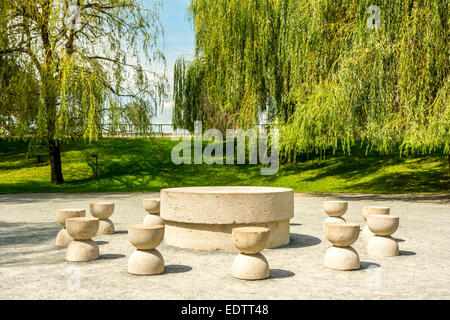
(145,259)
(103,211)
(152,206)
(335,210)
(63,238)
(341,256)
(82,248)
(368,210)
(250,264)
(382,244)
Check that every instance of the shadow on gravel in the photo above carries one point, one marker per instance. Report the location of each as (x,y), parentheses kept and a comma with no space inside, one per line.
(176,268)
(368,265)
(280,274)
(301,241)
(61,197)
(23,233)
(406,253)
(111,256)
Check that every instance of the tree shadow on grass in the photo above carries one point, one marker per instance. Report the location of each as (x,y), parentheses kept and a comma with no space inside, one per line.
(146,165)
(417,177)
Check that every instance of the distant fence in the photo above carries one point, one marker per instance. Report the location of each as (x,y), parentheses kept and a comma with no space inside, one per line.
(158,130)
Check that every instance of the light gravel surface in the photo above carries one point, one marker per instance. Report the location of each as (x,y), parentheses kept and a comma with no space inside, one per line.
(31,267)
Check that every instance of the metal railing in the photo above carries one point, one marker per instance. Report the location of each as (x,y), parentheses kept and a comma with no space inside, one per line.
(156,130)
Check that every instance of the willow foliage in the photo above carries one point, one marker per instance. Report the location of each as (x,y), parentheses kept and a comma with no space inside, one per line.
(78,64)
(318,70)
(68,66)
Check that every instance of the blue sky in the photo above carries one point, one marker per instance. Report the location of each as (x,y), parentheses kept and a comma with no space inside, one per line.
(178,40)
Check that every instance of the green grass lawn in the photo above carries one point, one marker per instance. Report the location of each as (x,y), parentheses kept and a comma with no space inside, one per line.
(145,165)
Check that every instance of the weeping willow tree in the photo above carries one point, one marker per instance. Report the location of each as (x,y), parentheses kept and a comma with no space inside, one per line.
(67,66)
(329,73)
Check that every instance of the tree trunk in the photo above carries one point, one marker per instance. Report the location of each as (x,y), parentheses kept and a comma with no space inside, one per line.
(55,162)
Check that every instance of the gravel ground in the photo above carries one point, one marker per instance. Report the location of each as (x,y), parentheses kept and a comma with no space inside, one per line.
(31,267)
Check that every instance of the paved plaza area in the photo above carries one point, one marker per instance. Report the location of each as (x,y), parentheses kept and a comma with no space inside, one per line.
(32,267)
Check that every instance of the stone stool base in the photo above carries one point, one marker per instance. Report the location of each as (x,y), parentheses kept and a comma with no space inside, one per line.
(63,239)
(105,226)
(153,219)
(382,246)
(250,267)
(146,262)
(82,251)
(342,258)
(366,233)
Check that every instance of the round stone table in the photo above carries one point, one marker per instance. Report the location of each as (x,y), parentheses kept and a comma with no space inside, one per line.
(203,217)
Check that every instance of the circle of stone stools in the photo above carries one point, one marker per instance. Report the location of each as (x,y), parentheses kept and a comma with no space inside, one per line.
(82,248)
(152,206)
(103,211)
(381,244)
(335,210)
(250,264)
(341,256)
(63,238)
(145,259)
(369,210)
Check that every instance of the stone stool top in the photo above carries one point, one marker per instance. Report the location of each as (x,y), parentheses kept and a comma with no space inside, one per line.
(63,214)
(250,240)
(82,228)
(152,205)
(335,208)
(145,237)
(374,210)
(383,225)
(342,234)
(102,210)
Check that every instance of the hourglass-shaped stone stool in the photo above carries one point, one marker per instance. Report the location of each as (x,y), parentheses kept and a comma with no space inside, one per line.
(381,244)
(152,206)
(368,210)
(63,238)
(103,211)
(82,248)
(341,256)
(145,259)
(335,210)
(250,264)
